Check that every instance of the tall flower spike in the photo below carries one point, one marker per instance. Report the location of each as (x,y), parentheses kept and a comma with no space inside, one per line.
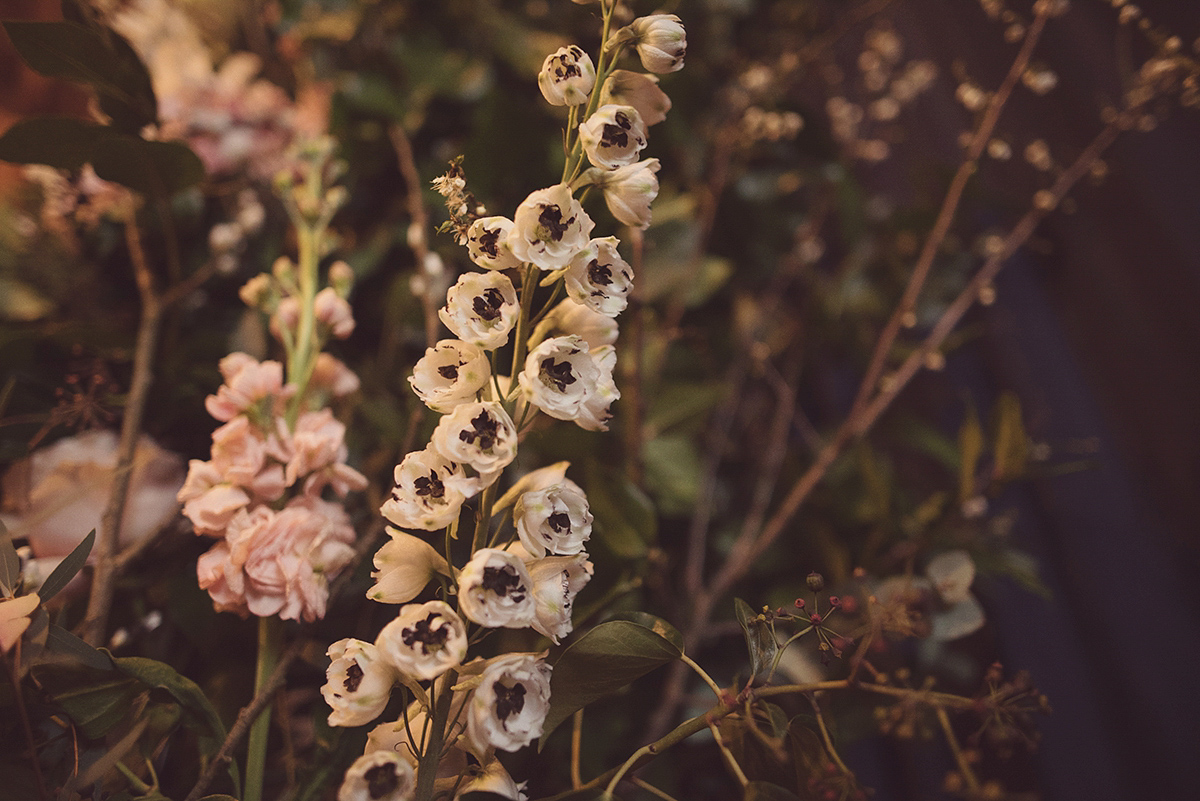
(613,136)
(567,77)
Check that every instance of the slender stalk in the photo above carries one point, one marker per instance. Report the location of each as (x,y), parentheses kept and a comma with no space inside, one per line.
(829,748)
(576,749)
(964,767)
(712,685)
(11,668)
(270,638)
(734,767)
(432,752)
(650,788)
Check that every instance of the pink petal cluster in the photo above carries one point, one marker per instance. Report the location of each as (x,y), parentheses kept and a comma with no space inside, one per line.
(278,563)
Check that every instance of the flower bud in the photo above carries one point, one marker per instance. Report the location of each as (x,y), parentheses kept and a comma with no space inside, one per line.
(404,566)
(334,313)
(341,278)
(613,136)
(626,88)
(815,581)
(257,292)
(661,42)
(567,77)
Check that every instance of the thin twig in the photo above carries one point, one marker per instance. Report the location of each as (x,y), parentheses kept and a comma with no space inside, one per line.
(245,720)
(418,225)
(964,767)
(104,577)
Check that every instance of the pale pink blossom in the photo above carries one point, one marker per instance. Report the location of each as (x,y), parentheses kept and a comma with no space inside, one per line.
(209,501)
(331,375)
(333,312)
(248,384)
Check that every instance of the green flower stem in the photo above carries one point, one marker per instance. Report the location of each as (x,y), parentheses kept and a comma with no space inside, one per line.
(486,499)
(687,660)
(304,354)
(528,286)
(431,755)
(270,642)
(604,68)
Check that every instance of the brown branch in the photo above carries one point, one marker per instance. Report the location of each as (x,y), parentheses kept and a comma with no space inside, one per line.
(902,316)
(245,720)
(106,568)
(418,225)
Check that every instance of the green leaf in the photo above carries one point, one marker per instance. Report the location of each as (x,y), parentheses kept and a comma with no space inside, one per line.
(1010,443)
(62,643)
(96,700)
(10,564)
(156,169)
(673,473)
(656,624)
(970,448)
(63,142)
(625,519)
(778,718)
(67,568)
(210,729)
(765,791)
(760,639)
(606,659)
(99,58)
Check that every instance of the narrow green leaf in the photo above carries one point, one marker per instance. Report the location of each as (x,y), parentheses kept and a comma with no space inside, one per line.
(1010,443)
(604,660)
(970,448)
(63,644)
(10,564)
(760,639)
(67,568)
(99,58)
(156,169)
(96,700)
(63,142)
(765,791)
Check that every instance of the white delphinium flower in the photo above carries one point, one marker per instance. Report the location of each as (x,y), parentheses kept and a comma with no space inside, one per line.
(567,76)
(550,227)
(661,42)
(495,590)
(481,308)
(599,278)
(569,317)
(358,683)
(427,495)
(404,566)
(560,377)
(481,435)
(450,373)
(952,574)
(555,519)
(487,243)
(379,776)
(510,704)
(629,190)
(613,136)
(556,581)
(625,88)
(594,414)
(424,641)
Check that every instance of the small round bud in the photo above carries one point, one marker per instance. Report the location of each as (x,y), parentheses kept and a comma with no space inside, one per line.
(815,581)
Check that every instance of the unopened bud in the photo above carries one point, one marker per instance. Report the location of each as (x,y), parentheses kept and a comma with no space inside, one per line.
(815,581)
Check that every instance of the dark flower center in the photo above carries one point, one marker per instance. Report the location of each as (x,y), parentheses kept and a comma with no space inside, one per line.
(505,582)
(354,677)
(552,222)
(431,486)
(560,522)
(484,429)
(489,242)
(616,135)
(487,305)
(381,781)
(509,700)
(448,372)
(557,375)
(599,274)
(425,632)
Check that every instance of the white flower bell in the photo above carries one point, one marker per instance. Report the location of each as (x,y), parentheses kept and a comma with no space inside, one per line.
(661,42)
(613,136)
(549,228)
(481,435)
(449,374)
(629,190)
(567,77)
(555,519)
(560,377)
(510,704)
(379,776)
(426,495)
(481,308)
(556,581)
(424,641)
(495,590)
(358,683)
(487,244)
(599,278)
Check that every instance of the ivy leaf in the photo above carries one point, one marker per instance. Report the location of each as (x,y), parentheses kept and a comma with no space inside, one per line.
(67,568)
(760,639)
(607,659)
(204,718)
(156,169)
(765,791)
(99,58)
(63,142)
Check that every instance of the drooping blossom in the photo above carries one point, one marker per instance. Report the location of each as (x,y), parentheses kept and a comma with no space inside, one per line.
(629,190)
(379,776)
(594,412)
(424,641)
(510,704)
(555,519)
(549,228)
(661,42)
(567,76)
(487,244)
(358,683)
(561,378)
(599,278)
(403,568)
(625,88)
(450,373)
(495,590)
(556,582)
(571,317)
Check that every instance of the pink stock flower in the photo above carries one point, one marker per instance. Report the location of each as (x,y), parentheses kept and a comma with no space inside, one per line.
(278,563)
(333,312)
(208,501)
(248,383)
(318,451)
